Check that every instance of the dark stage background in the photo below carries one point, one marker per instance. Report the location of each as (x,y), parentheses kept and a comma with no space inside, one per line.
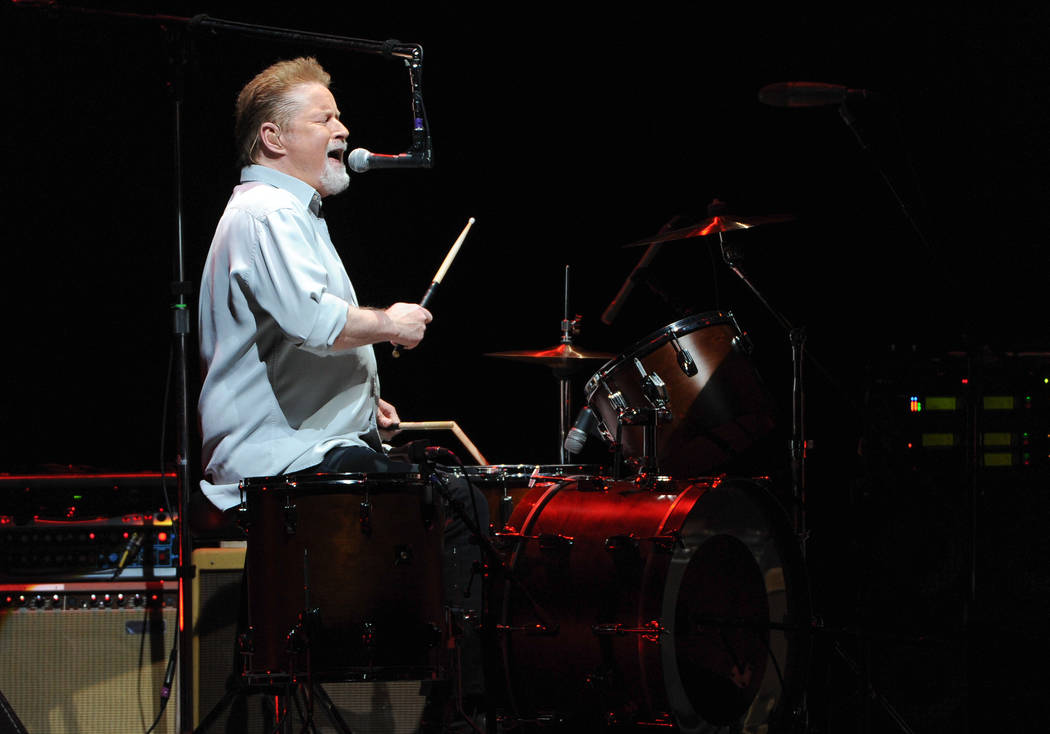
(569,134)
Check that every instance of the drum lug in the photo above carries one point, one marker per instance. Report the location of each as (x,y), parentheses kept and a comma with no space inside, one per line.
(365,516)
(291,516)
(743,344)
(427,505)
(685,359)
(246,648)
(668,543)
(368,638)
(241,516)
(591,484)
(555,542)
(622,544)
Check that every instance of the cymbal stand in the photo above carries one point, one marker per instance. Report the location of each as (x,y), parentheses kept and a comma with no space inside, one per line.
(570,327)
(797,337)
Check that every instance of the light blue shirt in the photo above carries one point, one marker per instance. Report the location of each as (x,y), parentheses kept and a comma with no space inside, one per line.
(274,297)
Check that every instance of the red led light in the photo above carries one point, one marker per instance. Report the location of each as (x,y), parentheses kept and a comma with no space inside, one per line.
(162,537)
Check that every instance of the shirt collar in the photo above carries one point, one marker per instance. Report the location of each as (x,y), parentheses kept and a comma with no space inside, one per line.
(301,190)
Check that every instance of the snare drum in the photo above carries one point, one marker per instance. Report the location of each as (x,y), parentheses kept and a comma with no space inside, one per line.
(718,404)
(344,576)
(686,603)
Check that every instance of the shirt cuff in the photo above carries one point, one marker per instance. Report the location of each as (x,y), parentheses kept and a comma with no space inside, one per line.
(331,318)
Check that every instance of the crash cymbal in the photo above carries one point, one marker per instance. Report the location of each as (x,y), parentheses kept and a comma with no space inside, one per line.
(712,225)
(563,354)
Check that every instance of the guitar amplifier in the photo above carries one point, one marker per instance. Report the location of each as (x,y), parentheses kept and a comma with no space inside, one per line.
(87,657)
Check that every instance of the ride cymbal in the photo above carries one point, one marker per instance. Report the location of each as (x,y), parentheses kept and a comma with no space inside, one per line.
(712,225)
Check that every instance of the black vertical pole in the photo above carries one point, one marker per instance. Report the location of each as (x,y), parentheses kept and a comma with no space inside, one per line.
(181,331)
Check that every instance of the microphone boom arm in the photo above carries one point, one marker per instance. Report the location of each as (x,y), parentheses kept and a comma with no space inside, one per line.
(421,143)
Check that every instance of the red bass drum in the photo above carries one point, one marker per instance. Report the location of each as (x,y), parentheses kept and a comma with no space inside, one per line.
(683,603)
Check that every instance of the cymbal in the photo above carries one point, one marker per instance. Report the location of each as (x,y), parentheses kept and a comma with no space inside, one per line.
(563,354)
(712,225)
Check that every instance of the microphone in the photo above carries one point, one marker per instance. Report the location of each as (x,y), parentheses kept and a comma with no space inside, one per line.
(809,94)
(361,160)
(131,550)
(577,435)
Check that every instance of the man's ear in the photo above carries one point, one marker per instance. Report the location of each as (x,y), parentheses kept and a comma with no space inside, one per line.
(270,139)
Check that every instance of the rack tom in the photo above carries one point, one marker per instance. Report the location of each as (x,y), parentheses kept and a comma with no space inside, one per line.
(719,405)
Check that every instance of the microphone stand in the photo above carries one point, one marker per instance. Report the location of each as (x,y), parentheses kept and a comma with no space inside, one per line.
(797,338)
(175,26)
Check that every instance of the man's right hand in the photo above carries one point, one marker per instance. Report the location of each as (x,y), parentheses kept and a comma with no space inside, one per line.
(410,321)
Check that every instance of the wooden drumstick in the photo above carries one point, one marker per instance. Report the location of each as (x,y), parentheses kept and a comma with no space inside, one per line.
(429,295)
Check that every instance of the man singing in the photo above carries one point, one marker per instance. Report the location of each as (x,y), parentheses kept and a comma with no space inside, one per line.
(290,375)
(290,378)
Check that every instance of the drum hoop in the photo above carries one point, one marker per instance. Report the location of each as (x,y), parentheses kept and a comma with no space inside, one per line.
(524,471)
(648,345)
(311,479)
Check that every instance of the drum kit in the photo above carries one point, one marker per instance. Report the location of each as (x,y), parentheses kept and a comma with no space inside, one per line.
(648,594)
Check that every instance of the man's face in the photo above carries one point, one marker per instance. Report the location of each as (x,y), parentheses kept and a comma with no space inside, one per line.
(314,141)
